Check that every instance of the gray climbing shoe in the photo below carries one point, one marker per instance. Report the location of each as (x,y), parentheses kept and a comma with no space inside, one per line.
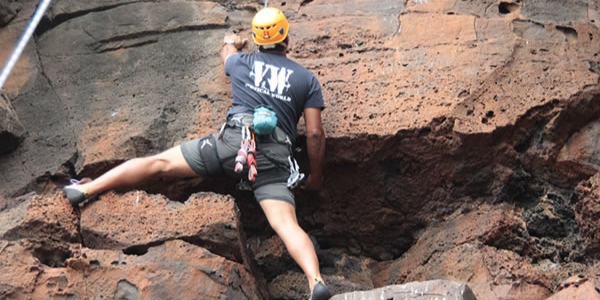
(320,292)
(75,194)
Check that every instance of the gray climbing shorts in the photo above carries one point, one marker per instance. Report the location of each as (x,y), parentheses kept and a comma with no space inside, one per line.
(215,154)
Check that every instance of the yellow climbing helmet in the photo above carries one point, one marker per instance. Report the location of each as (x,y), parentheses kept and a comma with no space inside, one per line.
(269,26)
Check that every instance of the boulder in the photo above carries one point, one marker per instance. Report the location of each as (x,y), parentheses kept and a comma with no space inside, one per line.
(172,268)
(48,217)
(467,249)
(432,289)
(136,221)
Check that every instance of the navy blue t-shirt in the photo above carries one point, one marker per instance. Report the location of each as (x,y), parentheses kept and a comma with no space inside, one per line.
(273,80)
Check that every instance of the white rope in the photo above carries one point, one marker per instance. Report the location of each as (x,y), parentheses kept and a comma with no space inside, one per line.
(35,20)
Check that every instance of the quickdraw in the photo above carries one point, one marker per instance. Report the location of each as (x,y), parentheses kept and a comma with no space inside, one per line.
(242,154)
(247,154)
(251,160)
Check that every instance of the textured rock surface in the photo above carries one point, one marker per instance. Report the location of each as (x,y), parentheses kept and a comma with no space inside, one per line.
(97,274)
(8,11)
(469,248)
(135,221)
(462,145)
(20,269)
(579,287)
(588,212)
(50,218)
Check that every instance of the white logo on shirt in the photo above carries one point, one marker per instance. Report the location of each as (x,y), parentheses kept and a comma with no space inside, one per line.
(270,80)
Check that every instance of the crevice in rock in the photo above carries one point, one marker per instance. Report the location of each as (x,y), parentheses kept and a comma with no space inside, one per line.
(508,7)
(36,281)
(305,2)
(593,66)
(218,249)
(132,45)
(526,27)
(127,290)
(48,23)
(373,49)
(63,179)
(520,188)
(9,142)
(78,225)
(85,286)
(140,250)
(569,32)
(51,254)
(150,36)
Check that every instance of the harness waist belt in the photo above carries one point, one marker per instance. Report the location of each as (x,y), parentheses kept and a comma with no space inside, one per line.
(240,120)
(245,119)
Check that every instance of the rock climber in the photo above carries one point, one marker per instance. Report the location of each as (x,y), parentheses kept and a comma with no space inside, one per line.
(270,93)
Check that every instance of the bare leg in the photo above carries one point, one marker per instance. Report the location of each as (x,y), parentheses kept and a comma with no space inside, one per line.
(282,218)
(136,171)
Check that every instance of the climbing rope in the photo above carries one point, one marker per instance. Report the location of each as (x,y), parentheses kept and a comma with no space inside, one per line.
(35,20)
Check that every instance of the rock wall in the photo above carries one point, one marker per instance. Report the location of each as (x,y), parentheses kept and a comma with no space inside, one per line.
(461,145)
(11,129)
(8,11)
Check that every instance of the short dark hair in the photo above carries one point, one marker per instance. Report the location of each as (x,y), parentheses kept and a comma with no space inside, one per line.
(279,47)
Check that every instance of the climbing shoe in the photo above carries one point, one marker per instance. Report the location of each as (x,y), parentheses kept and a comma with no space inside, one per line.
(320,292)
(74,193)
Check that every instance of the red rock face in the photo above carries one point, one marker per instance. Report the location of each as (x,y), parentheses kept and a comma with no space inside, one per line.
(461,145)
(41,218)
(135,221)
(162,272)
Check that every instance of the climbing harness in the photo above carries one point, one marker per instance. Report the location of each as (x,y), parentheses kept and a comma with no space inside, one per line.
(37,16)
(246,154)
